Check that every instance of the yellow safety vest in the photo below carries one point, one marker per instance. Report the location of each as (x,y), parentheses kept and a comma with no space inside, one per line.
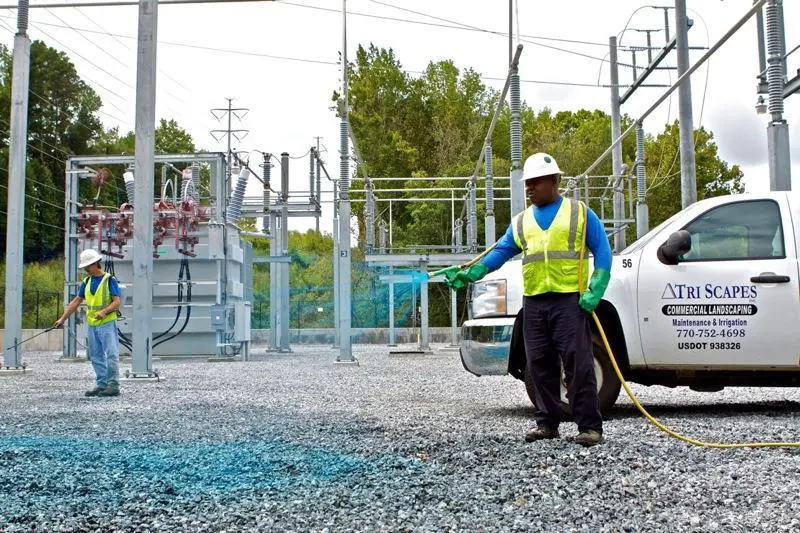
(551,258)
(98,301)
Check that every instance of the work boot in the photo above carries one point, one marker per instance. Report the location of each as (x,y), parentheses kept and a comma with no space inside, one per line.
(588,438)
(109,391)
(541,433)
(94,392)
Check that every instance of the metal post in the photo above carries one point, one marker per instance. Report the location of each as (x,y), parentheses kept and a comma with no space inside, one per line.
(517,187)
(143,189)
(345,348)
(71,188)
(424,343)
(454,317)
(642,214)
(489,228)
(382,237)
(272,339)
(15,231)
(311,176)
(686,122)
(762,53)
(392,336)
(318,197)
(780,165)
(616,153)
(369,215)
(283,280)
(335,264)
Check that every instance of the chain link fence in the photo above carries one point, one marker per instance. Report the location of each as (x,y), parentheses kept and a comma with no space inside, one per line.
(40,308)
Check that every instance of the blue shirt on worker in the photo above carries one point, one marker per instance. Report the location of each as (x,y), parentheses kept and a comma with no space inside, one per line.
(113,286)
(596,239)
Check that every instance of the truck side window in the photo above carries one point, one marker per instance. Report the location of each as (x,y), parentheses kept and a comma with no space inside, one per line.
(741,230)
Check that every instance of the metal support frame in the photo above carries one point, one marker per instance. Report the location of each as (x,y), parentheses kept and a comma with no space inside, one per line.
(143,191)
(780,164)
(15,230)
(283,344)
(616,154)
(344,259)
(685,121)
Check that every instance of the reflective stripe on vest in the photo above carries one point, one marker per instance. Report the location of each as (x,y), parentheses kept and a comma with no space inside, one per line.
(98,301)
(550,258)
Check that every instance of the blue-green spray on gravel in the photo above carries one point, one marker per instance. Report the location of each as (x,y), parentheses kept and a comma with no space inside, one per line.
(65,466)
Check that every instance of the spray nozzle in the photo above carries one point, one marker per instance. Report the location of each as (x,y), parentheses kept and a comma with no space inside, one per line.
(446,272)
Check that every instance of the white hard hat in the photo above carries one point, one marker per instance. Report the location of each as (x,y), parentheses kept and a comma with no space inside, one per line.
(538,165)
(89,257)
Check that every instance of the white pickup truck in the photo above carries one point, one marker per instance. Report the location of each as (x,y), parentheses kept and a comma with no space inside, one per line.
(710,298)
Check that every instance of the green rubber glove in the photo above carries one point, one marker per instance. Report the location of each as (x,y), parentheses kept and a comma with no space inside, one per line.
(462,278)
(597,287)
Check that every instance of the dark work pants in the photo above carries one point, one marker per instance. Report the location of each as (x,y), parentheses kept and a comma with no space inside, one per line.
(553,326)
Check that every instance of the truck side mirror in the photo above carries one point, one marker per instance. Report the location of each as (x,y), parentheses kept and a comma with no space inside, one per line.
(678,244)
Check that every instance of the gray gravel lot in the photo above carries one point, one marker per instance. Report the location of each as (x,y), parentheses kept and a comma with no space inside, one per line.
(291,442)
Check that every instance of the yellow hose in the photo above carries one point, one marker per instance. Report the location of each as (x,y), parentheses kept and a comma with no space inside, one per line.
(670,432)
(648,416)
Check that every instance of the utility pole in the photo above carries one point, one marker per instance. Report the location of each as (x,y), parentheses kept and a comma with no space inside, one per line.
(283,268)
(345,348)
(780,164)
(616,153)
(230,111)
(686,122)
(143,190)
(15,231)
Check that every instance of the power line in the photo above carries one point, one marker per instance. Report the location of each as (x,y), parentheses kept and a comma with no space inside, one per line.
(40,140)
(452,24)
(86,77)
(127,66)
(34,147)
(321,62)
(196,46)
(62,230)
(128,47)
(34,197)
(83,57)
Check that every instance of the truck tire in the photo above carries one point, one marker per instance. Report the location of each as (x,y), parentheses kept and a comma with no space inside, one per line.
(608,384)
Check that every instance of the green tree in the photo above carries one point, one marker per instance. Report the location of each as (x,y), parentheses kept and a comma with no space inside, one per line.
(714,176)
(62,121)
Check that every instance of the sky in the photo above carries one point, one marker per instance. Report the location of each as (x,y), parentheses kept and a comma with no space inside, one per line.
(280,60)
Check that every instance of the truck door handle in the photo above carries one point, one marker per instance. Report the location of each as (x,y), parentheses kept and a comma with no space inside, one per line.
(770,278)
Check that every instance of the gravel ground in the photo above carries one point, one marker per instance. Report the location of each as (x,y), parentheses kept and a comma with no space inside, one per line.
(292,442)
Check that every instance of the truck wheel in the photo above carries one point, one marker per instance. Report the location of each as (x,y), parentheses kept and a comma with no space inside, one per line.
(608,385)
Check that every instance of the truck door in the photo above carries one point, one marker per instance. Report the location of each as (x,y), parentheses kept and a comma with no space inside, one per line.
(733,299)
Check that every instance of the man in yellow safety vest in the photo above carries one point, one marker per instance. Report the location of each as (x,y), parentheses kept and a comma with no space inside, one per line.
(101,292)
(551,236)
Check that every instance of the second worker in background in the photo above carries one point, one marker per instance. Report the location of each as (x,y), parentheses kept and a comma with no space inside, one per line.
(551,236)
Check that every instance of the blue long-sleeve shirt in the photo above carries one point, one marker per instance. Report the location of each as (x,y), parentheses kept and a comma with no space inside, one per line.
(596,239)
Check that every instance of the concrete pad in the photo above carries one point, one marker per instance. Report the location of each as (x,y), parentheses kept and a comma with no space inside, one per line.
(347,363)
(72,359)
(14,371)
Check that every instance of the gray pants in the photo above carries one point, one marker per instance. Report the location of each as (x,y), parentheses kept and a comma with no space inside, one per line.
(553,326)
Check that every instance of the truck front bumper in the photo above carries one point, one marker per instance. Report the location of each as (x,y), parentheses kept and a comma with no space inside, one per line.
(485,345)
